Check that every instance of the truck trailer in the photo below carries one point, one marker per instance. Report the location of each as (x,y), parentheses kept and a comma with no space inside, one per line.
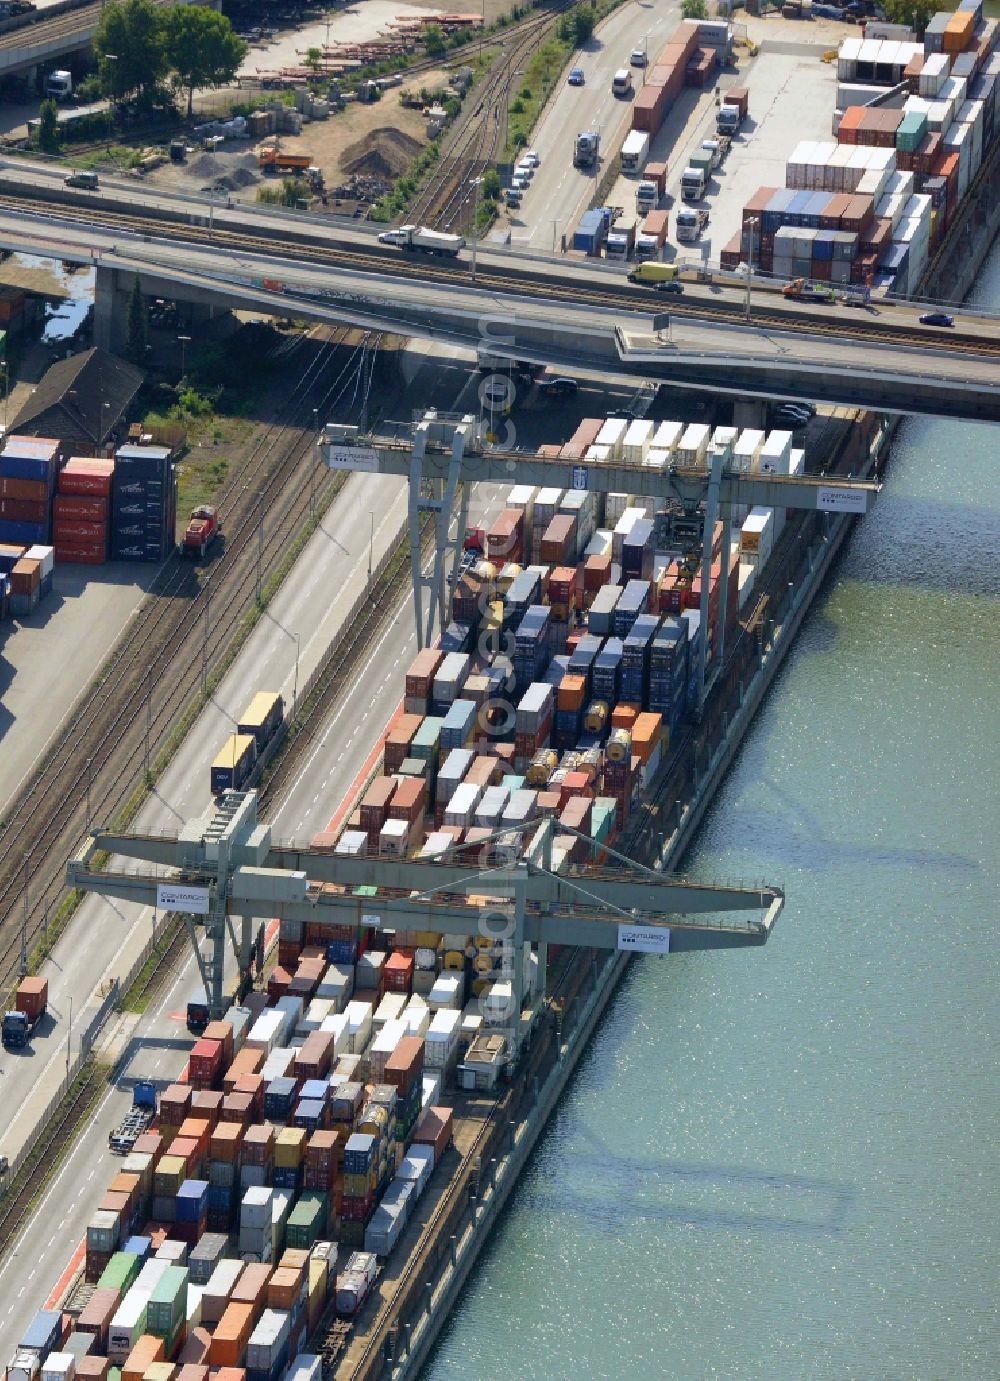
(31,1002)
(635,151)
(421,240)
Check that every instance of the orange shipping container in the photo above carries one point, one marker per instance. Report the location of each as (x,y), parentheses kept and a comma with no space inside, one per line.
(251,1288)
(193,1371)
(94,1368)
(572,692)
(146,1351)
(195,1349)
(623,716)
(232,1333)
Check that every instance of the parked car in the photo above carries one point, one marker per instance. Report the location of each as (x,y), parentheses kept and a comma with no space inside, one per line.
(525,170)
(530,157)
(561,387)
(512,197)
(576,77)
(937,319)
(670,285)
(519,182)
(792,417)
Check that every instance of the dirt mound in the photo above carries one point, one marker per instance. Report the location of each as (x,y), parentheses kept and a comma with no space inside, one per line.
(384,153)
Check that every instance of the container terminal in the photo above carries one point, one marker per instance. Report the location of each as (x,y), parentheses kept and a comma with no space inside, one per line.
(311,1193)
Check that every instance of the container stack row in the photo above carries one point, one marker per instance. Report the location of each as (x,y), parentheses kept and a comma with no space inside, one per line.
(873,207)
(86,508)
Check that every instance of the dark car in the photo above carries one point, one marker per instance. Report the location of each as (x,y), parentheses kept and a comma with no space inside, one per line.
(576,77)
(670,285)
(937,319)
(792,417)
(559,388)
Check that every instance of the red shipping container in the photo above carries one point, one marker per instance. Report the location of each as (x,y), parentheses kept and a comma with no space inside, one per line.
(398,970)
(86,475)
(435,1129)
(34,491)
(80,508)
(409,801)
(205,1063)
(24,510)
(504,541)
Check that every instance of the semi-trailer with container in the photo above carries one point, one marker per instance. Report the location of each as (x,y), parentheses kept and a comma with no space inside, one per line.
(621,241)
(733,111)
(651,188)
(234,764)
(653,235)
(262,718)
(31,1001)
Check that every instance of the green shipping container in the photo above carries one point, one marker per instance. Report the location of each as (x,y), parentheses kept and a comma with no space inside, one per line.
(120,1272)
(427,739)
(168,1302)
(308,1221)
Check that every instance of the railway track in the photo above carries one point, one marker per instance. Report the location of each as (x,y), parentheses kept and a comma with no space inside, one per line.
(99,762)
(626,298)
(448,199)
(53,1139)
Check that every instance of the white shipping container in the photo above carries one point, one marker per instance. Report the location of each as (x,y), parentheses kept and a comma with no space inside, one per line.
(264,1033)
(267,1339)
(747,448)
(218,1290)
(359,1025)
(352,844)
(59,1366)
(446,993)
(336,1026)
(756,534)
(693,444)
(612,435)
(636,442)
(774,453)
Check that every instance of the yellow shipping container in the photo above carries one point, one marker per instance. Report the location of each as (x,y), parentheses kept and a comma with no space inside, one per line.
(426,939)
(160,1371)
(454,959)
(290,1147)
(479,985)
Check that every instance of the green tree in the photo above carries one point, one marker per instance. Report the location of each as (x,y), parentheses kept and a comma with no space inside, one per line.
(314,56)
(434,44)
(694,9)
(135,340)
(915,13)
(577,26)
(202,48)
(131,50)
(490,185)
(48,127)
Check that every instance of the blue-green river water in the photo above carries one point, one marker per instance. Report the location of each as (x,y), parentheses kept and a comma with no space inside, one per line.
(782,1163)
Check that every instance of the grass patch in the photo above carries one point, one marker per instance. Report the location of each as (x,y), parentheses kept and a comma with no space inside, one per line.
(139,995)
(541,74)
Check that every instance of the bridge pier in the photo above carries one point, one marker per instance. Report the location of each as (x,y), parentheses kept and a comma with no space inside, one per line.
(112,290)
(750,412)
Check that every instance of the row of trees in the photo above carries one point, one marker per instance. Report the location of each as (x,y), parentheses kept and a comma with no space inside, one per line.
(142,51)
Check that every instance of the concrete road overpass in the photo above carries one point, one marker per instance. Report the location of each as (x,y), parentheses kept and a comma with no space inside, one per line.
(547,311)
(57,34)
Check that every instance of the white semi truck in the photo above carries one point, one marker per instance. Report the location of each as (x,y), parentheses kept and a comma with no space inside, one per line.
(423,240)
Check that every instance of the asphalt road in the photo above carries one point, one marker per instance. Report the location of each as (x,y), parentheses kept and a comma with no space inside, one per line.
(559,192)
(49,232)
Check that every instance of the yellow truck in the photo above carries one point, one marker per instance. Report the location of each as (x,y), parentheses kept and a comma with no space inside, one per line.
(652,271)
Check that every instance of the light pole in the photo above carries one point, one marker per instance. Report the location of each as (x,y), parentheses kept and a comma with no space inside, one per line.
(371,545)
(751,223)
(295,692)
(312,468)
(184,344)
(89,765)
(69,1036)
